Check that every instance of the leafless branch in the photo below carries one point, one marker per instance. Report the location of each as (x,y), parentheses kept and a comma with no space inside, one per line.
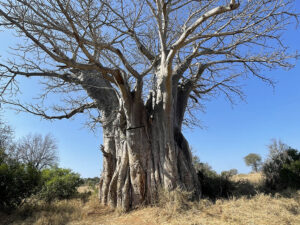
(139,47)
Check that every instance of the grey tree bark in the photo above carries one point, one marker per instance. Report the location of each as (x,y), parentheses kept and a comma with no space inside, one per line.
(141,156)
(143,151)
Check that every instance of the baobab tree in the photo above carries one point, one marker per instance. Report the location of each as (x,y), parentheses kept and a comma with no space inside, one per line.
(141,69)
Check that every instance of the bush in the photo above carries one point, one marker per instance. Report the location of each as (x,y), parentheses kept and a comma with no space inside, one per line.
(290,174)
(216,186)
(213,185)
(59,183)
(17,182)
(282,169)
(229,173)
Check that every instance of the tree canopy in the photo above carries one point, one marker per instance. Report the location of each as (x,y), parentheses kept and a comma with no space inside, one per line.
(253,160)
(205,46)
(40,152)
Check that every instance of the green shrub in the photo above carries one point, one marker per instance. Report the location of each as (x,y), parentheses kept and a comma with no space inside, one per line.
(17,182)
(290,174)
(59,183)
(282,170)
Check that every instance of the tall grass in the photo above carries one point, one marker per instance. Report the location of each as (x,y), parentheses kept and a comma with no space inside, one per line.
(41,213)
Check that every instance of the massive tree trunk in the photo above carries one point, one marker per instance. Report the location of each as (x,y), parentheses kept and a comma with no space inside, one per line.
(141,159)
(143,148)
(143,151)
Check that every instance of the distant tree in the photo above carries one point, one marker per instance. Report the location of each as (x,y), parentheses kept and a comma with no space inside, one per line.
(253,160)
(39,151)
(6,135)
(276,147)
(7,143)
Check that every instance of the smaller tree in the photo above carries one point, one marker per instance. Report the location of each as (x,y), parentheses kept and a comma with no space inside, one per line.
(39,151)
(282,168)
(6,136)
(59,183)
(253,160)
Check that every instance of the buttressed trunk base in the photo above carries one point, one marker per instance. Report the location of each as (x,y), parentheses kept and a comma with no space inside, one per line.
(141,156)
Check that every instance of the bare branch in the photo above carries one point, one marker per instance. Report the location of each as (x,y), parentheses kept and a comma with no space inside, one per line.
(211,13)
(142,47)
(38,112)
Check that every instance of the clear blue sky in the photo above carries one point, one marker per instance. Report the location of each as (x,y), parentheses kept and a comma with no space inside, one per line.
(230,133)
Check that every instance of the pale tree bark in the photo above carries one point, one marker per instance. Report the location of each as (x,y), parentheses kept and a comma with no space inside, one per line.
(139,158)
(143,154)
(137,68)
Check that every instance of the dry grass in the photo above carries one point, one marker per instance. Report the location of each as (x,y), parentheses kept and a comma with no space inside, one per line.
(39,213)
(85,189)
(253,178)
(172,209)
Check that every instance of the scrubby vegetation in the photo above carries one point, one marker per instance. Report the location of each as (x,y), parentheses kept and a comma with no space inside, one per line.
(91,182)
(58,183)
(23,179)
(282,168)
(215,186)
(174,208)
(17,182)
(20,181)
